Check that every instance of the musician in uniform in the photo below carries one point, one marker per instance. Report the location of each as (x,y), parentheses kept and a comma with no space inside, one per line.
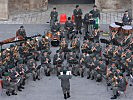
(72,60)
(55,27)
(65,84)
(69,26)
(95,12)
(78,18)
(58,60)
(75,44)
(95,15)
(44,44)
(126,19)
(53,16)
(118,85)
(46,63)
(64,46)
(9,85)
(15,77)
(33,68)
(87,21)
(21,32)
(83,63)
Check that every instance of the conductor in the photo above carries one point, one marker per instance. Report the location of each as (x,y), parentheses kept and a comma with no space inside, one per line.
(65,84)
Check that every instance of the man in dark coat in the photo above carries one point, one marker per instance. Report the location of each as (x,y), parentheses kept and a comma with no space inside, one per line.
(53,16)
(65,84)
(126,18)
(78,18)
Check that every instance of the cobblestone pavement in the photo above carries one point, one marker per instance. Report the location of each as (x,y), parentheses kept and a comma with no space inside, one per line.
(48,88)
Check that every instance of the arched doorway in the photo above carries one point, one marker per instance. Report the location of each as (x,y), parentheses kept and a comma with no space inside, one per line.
(71,1)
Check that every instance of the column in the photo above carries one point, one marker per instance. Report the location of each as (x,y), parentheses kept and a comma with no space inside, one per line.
(4,9)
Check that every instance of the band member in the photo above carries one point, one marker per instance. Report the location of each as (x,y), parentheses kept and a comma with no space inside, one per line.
(53,16)
(78,18)
(126,19)
(69,26)
(58,60)
(88,21)
(75,44)
(9,85)
(33,68)
(55,27)
(65,84)
(44,44)
(64,46)
(72,60)
(82,64)
(46,63)
(21,32)
(96,16)
(118,85)
(95,12)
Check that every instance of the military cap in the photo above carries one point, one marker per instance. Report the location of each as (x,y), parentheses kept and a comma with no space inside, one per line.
(77,6)
(21,26)
(57,51)
(45,51)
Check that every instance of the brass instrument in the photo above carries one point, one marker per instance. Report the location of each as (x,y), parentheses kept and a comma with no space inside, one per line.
(45,43)
(63,44)
(84,46)
(74,44)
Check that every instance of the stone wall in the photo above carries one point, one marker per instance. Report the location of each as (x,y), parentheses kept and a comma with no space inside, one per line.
(27,5)
(113,5)
(3,9)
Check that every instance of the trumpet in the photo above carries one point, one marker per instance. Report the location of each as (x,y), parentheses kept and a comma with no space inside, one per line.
(63,44)
(74,44)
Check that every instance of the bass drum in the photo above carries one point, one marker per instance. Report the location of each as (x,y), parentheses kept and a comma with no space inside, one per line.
(55,41)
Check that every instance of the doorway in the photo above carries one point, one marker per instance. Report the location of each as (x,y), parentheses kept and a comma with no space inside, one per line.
(71,1)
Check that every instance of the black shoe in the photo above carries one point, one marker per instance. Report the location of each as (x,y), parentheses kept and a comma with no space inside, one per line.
(65,96)
(88,77)
(21,87)
(130,85)
(108,84)
(80,32)
(68,95)
(118,94)
(92,78)
(14,93)
(114,97)
(34,79)
(7,92)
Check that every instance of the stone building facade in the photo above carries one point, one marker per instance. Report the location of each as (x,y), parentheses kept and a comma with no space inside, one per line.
(7,7)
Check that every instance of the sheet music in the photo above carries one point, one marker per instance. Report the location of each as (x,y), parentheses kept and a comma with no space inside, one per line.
(67,73)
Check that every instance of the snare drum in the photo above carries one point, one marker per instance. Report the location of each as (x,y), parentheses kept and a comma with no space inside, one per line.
(114,27)
(127,29)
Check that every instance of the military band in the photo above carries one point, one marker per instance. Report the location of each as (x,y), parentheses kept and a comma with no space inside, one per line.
(88,59)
